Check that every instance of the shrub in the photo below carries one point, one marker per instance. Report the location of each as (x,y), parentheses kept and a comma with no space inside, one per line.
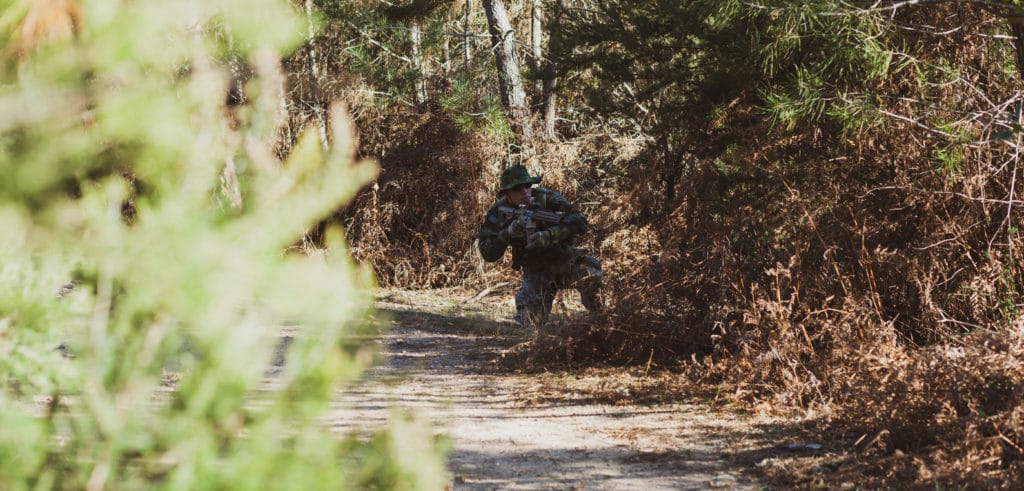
(170,216)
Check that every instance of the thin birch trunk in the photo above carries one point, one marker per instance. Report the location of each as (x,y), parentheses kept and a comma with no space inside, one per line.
(536,34)
(468,40)
(314,69)
(420,85)
(446,49)
(550,84)
(510,80)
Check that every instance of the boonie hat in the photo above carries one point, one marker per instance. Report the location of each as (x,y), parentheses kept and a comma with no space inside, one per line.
(515,176)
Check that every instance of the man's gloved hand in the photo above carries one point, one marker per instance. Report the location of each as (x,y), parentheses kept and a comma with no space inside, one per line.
(540,240)
(517,228)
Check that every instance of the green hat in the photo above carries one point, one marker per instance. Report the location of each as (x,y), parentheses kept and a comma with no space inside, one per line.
(515,176)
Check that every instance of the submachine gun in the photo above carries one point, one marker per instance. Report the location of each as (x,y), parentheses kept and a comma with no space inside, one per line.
(531,217)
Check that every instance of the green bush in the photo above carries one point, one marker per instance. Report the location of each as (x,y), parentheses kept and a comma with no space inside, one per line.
(125,174)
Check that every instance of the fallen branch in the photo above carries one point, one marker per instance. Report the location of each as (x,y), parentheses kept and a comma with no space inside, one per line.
(487,291)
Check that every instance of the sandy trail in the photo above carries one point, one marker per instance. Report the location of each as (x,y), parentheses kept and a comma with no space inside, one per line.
(435,368)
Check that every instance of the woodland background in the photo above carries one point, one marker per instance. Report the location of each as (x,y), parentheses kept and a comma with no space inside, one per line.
(806,205)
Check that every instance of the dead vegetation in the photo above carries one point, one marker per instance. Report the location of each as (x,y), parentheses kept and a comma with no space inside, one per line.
(872,290)
(870,278)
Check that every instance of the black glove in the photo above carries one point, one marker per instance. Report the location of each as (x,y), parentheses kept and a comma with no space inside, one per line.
(540,240)
(517,228)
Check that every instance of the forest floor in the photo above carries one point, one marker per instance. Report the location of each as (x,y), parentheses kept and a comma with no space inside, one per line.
(560,429)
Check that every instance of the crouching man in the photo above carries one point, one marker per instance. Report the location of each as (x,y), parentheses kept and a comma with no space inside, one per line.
(542,228)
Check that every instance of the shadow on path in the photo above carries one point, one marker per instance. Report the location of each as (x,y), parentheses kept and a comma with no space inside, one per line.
(436,366)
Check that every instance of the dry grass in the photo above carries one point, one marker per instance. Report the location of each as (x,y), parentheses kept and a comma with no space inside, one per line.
(797,293)
(864,284)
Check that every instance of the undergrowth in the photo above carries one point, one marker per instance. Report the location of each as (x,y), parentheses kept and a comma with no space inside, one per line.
(846,246)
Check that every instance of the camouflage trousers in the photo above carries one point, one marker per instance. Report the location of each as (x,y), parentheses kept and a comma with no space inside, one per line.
(535,297)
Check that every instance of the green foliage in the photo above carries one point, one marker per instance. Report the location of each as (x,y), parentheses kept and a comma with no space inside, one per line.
(376,42)
(814,51)
(125,174)
(647,60)
(801,58)
(488,118)
(949,159)
(372,42)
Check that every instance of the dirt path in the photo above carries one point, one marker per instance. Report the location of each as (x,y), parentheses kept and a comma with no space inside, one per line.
(503,438)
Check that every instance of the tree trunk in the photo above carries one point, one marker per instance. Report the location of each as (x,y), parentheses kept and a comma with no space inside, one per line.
(468,40)
(446,50)
(420,85)
(536,33)
(550,72)
(319,108)
(1017,28)
(509,79)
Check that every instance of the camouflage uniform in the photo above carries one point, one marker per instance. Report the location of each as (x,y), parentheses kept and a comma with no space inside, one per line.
(545,269)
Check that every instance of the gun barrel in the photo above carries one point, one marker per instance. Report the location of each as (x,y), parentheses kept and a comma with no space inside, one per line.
(547,216)
(543,216)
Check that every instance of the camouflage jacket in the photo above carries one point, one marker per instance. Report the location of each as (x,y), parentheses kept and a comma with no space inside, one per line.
(493,240)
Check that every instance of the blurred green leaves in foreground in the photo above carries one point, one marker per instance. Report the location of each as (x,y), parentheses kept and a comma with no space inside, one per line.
(172,215)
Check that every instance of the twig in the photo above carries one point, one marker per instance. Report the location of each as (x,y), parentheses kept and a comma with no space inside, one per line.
(1011,442)
(487,291)
(916,123)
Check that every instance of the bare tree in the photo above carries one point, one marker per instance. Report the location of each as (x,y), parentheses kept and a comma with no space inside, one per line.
(1017,28)
(319,107)
(420,90)
(510,80)
(536,33)
(468,37)
(550,71)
